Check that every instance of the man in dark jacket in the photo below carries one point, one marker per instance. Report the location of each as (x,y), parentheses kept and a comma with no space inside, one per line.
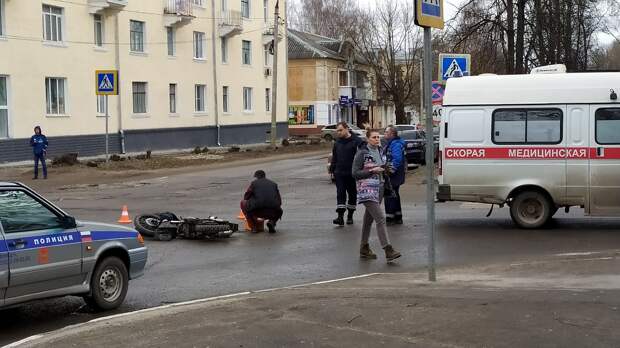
(39,147)
(342,161)
(262,200)
(397,166)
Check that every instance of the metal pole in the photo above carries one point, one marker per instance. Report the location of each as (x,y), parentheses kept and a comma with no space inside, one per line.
(107,118)
(274,82)
(421,116)
(215,84)
(430,152)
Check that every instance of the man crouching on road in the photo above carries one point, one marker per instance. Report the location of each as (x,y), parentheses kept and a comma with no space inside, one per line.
(262,200)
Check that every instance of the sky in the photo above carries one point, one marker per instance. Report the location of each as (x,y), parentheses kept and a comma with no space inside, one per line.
(451,6)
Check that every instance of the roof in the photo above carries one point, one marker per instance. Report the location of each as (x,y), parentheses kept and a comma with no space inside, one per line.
(10,184)
(303,45)
(562,88)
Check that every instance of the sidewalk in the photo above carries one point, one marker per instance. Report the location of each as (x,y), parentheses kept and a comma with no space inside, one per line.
(562,301)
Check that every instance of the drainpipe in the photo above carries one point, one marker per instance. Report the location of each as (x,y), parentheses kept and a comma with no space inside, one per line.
(215,85)
(119,105)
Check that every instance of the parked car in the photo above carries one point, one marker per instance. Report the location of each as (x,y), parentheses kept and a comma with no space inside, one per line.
(51,254)
(415,143)
(405,127)
(329,132)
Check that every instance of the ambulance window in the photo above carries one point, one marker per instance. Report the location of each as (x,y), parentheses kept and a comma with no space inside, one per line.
(544,126)
(607,126)
(467,125)
(509,126)
(527,126)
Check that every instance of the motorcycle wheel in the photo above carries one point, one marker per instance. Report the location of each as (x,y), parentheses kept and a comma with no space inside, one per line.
(146,224)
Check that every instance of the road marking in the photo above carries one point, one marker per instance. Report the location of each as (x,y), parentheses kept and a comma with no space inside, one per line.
(178,304)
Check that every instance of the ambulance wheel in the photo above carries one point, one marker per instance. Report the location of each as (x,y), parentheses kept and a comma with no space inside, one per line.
(531,209)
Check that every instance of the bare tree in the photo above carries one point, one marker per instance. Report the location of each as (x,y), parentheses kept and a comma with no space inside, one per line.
(389,42)
(331,18)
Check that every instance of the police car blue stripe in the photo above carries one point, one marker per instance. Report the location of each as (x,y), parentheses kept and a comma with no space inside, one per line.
(3,248)
(104,235)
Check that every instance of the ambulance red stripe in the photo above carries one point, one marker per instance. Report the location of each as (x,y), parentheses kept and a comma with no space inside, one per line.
(531,153)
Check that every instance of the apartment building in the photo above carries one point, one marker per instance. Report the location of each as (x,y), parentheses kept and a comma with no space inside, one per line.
(191,73)
(328,83)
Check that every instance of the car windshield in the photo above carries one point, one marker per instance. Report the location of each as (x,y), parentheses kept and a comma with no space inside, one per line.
(405,128)
(410,135)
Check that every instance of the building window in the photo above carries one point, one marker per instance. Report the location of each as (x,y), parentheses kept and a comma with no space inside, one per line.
(55,92)
(98,21)
(4,108)
(267,99)
(199,40)
(527,126)
(1,18)
(101,105)
(172,98)
(170,40)
(247,98)
(224,5)
(197,2)
(268,55)
(225,98)
(200,98)
(136,36)
(139,97)
(52,23)
(245,8)
(607,131)
(343,78)
(224,43)
(246,53)
(266,9)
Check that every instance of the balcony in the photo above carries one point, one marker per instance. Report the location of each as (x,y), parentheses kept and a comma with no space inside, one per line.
(98,6)
(230,24)
(177,12)
(268,35)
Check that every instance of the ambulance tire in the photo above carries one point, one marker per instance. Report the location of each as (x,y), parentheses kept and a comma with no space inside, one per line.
(531,209)
(108,285)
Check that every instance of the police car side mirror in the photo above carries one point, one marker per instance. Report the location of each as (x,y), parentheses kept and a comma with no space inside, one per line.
(68,222)
(613,95)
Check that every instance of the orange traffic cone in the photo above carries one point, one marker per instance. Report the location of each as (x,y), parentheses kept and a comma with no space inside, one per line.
(124,216)
(241,216)
(246,225)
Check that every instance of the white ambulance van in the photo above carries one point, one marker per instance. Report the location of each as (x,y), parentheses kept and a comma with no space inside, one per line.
(535,142)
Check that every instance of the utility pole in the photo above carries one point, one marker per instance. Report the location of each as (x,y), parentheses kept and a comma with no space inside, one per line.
(274,82)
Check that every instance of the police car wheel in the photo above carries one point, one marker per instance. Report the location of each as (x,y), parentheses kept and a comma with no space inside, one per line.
(108,285)
(531,209)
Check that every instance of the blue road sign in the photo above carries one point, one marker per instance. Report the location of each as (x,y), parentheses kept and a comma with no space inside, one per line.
(453,65)
(344,100)
(107,82)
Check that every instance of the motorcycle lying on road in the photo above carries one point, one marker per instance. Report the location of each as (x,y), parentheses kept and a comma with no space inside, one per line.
(167,226)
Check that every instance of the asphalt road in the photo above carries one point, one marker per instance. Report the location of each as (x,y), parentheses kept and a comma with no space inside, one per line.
(307,247)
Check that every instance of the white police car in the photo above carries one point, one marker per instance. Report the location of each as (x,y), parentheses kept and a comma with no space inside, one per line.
(44,253)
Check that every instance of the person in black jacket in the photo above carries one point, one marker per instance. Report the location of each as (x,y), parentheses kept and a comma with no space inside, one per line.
(262,200)
(342,161)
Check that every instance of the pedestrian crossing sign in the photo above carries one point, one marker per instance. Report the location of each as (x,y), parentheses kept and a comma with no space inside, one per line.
(107,82)
(453,65)
(429,13)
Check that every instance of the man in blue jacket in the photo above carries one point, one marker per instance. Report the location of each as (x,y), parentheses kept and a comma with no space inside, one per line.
(397,167)
(39,147)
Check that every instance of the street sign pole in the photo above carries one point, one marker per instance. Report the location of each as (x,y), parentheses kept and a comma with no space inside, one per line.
(274,82)
(430,154)
(107,119)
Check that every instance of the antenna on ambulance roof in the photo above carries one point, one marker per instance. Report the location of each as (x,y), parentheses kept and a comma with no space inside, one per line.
(549,69)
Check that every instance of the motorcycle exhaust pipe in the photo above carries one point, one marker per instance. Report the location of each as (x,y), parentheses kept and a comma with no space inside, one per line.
(225,234)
